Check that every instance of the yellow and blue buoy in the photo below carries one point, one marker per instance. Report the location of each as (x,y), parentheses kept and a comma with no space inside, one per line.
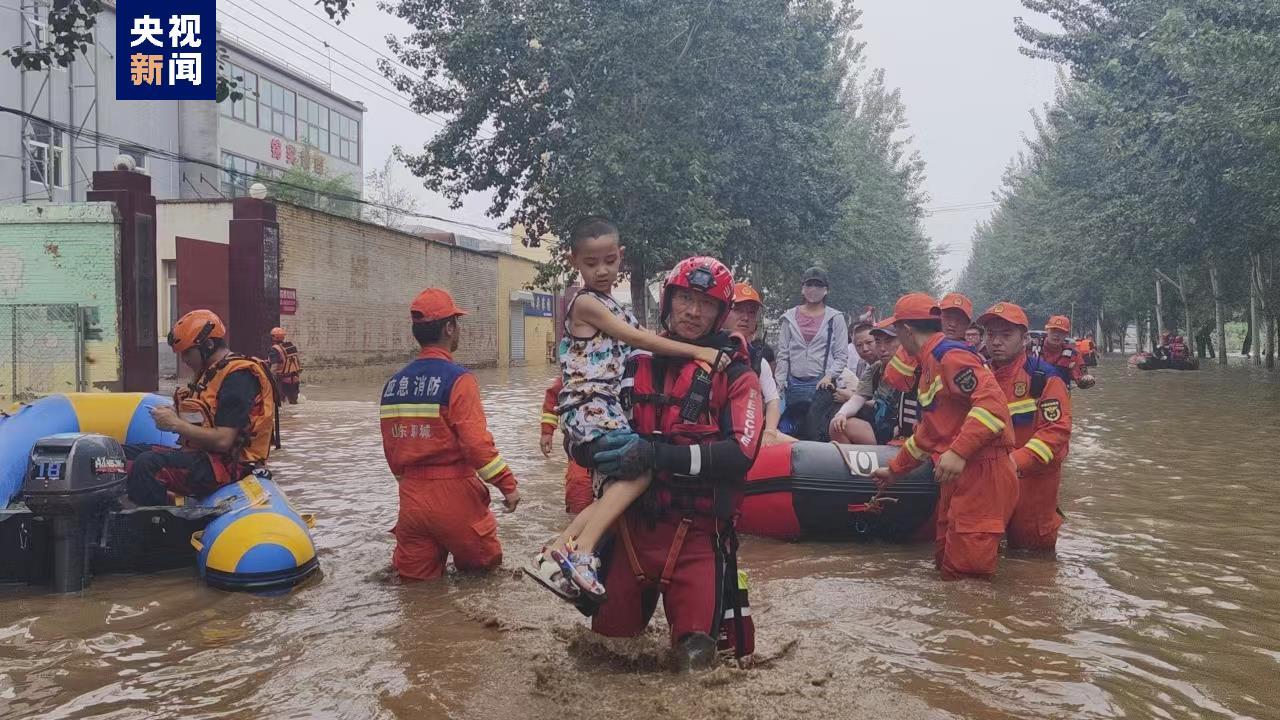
(259,542)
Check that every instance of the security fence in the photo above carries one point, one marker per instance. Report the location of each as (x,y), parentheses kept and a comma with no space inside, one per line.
(41,350)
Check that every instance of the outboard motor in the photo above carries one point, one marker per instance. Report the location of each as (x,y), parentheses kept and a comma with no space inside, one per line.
(72,479)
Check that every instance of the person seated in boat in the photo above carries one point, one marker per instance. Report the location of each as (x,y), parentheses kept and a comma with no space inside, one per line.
(1178,349)
(813,350)
(225,418)
(744,319)
(878,413)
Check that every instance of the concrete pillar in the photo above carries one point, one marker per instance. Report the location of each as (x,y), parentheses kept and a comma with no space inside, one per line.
(131,192)
(253,276)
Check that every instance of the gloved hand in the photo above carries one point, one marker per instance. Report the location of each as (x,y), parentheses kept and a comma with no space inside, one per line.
(623,455)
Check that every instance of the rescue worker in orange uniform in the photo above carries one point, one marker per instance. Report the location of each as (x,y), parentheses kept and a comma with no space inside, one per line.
(1062,354)
(957,316)
(578,492)
(286,365)
(437,443)
(965,427)
(1040,406)
(225,419)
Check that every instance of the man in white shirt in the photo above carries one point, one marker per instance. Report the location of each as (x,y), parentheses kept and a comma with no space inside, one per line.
(745,319)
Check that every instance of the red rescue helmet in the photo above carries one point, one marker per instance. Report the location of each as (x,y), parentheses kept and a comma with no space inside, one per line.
(194,328)
(706,275)
(277,333)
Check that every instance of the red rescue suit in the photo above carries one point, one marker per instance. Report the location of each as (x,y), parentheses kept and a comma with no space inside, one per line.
(962,409)
(578,492)
(684,549)
(437,443)
(1040,407)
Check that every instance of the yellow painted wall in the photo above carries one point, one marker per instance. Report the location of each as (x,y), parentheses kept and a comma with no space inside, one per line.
(538,332)
(515,274)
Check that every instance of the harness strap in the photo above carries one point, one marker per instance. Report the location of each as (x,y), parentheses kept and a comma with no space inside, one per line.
(674,553)
(624,531)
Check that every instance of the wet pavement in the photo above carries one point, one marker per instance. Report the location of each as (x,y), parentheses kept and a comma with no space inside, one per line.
(1164,600)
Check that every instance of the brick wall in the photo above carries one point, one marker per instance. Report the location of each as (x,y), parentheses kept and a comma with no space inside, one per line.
(355,282)
(60,254)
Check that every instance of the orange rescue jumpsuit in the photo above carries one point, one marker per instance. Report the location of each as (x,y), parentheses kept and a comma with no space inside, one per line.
(1042,435)
(1067,360)
(962,409)
(900,373)
(578,493)
(438,446)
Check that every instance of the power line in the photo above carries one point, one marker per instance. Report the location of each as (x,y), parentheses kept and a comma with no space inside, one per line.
(380,78)
(168,155)
(358,83)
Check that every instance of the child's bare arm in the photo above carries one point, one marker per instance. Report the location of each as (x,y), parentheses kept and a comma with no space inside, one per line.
(593,312)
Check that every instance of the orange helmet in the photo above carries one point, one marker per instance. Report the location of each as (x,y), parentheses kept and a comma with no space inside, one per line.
(194,328)
(744,293)
(277,333)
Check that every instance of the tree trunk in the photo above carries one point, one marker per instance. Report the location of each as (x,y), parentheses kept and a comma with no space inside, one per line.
(1217,314)
(1271,341)
(640,291)
(1159,308)
(1188,329)
(1255,345)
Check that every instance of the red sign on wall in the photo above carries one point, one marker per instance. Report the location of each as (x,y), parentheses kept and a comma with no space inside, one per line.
(288,301)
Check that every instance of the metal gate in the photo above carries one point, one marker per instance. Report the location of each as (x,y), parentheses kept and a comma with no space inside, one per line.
(516,321)
(41,350)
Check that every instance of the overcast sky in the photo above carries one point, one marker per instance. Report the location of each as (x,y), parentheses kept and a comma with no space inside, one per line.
(967,90)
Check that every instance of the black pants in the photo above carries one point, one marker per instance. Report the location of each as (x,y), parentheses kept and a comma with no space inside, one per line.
(154,472)
(290,391)
(812,419)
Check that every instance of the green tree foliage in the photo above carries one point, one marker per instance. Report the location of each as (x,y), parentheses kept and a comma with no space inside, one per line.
(300,185)
(1159,153)
(700,128)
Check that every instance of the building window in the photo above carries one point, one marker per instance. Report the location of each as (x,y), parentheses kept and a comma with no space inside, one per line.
(313,124)
(38,22)
(344,137)
(238,174)
(138,154)
(246,108)
(46,155)
(276,111)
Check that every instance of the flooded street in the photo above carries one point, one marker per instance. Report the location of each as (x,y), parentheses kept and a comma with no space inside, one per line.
(1164,600)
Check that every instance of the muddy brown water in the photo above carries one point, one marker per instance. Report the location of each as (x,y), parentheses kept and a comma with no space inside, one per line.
(1164,600)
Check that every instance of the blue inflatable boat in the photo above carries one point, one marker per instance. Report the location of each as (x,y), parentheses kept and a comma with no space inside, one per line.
(62,472)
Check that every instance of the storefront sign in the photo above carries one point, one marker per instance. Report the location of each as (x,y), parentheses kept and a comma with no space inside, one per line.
(288,301)
(541,306)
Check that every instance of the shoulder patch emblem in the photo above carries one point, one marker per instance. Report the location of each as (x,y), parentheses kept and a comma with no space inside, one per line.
(1019,389)
(966,380)
(1052,410)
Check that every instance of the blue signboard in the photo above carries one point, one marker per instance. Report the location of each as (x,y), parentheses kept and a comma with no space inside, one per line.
(166,50)
(542,306)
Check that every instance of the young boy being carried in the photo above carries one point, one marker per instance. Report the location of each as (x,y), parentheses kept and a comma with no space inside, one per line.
(599,336)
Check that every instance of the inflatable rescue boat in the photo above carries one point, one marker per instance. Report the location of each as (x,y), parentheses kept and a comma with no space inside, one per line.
(1147,361)
(811,490)
(62,475)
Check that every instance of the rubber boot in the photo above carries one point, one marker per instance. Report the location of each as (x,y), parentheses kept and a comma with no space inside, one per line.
(695,651)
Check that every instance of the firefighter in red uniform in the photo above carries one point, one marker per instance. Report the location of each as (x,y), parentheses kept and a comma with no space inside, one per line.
(698,432)
(438,446)
(1062,354)
(1040,406)
(964,427)
(225,419)
(578,492)
(286,365)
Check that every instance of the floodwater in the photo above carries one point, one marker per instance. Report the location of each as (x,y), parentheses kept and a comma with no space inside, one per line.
(1164,600)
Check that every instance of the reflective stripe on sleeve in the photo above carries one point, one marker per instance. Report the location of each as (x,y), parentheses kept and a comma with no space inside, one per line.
(1041,449)
(993,423)
(495,468)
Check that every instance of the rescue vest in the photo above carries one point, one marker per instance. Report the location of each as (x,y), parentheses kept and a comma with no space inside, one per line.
(687,411)
(1038,371)
(197,403)
(291,361)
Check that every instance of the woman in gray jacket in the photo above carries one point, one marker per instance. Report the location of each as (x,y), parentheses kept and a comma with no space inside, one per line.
(812,351)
